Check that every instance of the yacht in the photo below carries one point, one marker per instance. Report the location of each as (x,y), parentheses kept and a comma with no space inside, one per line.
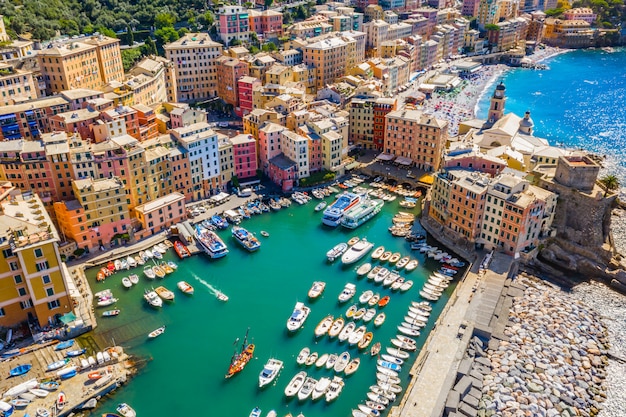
(347,293)
(334,213)
(246,239)
(270,372)
(361,213)
(357,251)
(297,318)
(210,242)
(152,298)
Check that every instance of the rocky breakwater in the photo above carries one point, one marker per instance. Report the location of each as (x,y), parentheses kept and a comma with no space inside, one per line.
(554,361)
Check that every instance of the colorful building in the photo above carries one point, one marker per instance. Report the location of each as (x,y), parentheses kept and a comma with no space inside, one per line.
(160,214)
(245,87)
(229,71)
(233,24)
(245,156)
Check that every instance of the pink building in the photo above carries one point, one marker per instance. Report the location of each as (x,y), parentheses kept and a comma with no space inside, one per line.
(470,7)
(159,214)
(268,23)
(580,13)
(269,144)
(246,85)
(282,172)
(233,24)
(476,161)
(245,156)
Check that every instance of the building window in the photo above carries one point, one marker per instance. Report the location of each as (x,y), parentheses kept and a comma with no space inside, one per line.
(26,304)
(38,253)
(53,304)
(14,266)
(46,279)
(2,313)
(7,253)
(17,279)
(21,291)
(42,266)
(50,291)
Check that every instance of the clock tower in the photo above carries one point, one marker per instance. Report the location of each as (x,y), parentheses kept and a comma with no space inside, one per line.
(496,108)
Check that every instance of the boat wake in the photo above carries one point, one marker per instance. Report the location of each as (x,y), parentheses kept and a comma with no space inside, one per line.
(217,293)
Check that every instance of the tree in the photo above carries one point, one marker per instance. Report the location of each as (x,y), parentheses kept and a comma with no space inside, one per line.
(234,42)
(165,35)
(163,20)
(129,57)
(149,47)
(268,3)
(130,38)
(610,182)
(253,50)
(269,47)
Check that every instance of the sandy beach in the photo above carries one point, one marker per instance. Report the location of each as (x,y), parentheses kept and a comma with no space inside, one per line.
(461,103)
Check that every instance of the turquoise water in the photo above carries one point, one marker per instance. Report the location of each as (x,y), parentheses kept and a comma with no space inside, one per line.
(185,375)
(579,102)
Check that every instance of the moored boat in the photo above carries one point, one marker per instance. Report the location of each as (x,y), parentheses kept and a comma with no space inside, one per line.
(334,213)
(336,327)
(298,317)
(149,272)
(185,287)
(336,251)
(362,212)
(55,365)
(158,271)
(156,332)
(246,239)
(378,252)
(380,319)
(334,389)
(357,251)
(164,293)
(152,298)
(125,410)
(210,242)
(320,388)
(324,325)
(303,355)
(316,289)
(181,249)
(240,359)
(270,372)
(307,388)
(352,366)
(342,362)
(348,292)
(295,384)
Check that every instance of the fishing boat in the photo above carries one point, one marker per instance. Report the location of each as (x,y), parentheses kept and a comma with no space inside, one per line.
(316,289)
(167,268)
(330,362)
(298,317)
(384,301)
(130,260)
(246,239)
(324,325)
(125,410)
(365,340)
(49,385)
(158,271)
(156,332)
(362,212)
(378,252)
(334,389)
(61,401)
(311,359)
(307,388)
(385,256)
(64,345)
(22,369)
(336,251)
(126,282)
(375,349)
(256,412)
(321,361)
(336,327)
(358,315)
(152,298)
(240,359)
(303,355)
(164,293)
(181,249)
(380,319)
(134,279)
(369,315)
(411,265)
(374,300)
(403,262)
(149,272)
(348,292)
(210,242)
(346,331)
(42,412)
(111,313)
(365,296)
(364,269)
(320,206)
(57,365)
(357,251)
(342,362)
(270,372)
(352,366)
(334,213)
(185,287)
(18,403)
(356,336)
(320,388)
(295,384)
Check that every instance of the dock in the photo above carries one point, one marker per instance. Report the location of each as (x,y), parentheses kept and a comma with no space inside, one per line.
(78,389)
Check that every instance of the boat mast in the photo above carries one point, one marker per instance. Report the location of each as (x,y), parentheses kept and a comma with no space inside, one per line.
(245,341)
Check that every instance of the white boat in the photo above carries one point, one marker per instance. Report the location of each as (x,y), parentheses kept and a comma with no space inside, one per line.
(342,362)
(156,332)
(383,273)
(152,298)
(311,359)
(372,274)
(210,242)
(185,287)
(307,388)
(131,261)
(362,212)
(365,296)
(334,389)
(106,302)
(380,319)
(298,317)
(41,393)
(42,412)
(346,331)
(295,384)
(406,285)
(126,282)
(408,331)
(320,388)
(134,279)
(337,250)
(357,251)
(156,253)
(324,325)
(403,345)
(387,379)
(303,355)
(352,366)
(378,252)
(374,300)
(332,359)
(386,371)
(413,263)
(390,358)
(348,292)
(148,254)
(126,410)
(369,315)
(356,336)
(270,372)
(335,212)
(317,289)
(364,269)
(390,278)
(149,272)
(336,327)
(320,206)
(321,361)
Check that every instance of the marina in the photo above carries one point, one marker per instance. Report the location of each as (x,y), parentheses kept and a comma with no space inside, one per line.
(220,324)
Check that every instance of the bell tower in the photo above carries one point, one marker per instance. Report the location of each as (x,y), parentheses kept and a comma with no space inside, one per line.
(496,108)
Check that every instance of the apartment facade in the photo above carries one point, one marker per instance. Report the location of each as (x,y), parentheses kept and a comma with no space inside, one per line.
(244,156)
(16,85)
(229,71)
(160,214)
(233,24)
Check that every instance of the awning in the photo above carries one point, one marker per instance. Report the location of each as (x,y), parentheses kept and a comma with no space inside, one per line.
(352,165)
(67,318)
(427,179)
(402,160)
(219,197)
(385,157)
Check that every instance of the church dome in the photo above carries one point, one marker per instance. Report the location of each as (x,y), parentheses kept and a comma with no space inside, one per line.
(526,124)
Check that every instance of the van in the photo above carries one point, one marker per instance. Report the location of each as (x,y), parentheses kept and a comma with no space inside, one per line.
(246,192)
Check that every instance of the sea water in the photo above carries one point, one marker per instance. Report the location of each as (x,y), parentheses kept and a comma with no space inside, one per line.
(184,369)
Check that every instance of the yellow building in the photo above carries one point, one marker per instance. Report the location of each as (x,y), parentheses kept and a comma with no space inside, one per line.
(16,85)
(253,121)
(85,63)
(32,276)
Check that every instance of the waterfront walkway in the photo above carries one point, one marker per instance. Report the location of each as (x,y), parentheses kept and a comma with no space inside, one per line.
(471,307)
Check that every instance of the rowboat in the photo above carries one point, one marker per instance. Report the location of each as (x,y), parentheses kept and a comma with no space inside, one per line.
(353,240)
(61,401)
(358,315)
(158,271)
(164,293)
(64,345)
(111,313)
(342,362)
(364,269)
(18,402)
(378,252)
(395,258)
(403,262)
(316,289)
(156,332)
(311,359)
(324,325)
(369,315)
(375,349)
(346,331)
(372,274)
(365,296)
(126,282)
(68,372)
(413,263)
(385,256)
(351,310)
(365,340)
(352,366)
(295,384)
(356,336)
(185,287)
(303,355)
(321,361)
(20,370)
(374,300)
(57,365)
(41,393)
(336,327)
(384,301)
(49,385)
(380,319)
(42,412)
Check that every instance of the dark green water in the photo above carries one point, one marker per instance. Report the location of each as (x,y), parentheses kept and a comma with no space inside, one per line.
(185,375)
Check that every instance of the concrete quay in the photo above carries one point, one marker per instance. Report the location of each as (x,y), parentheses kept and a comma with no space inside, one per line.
(473,309)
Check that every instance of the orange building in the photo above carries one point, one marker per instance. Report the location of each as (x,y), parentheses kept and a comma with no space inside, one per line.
(229,71)
(160,214)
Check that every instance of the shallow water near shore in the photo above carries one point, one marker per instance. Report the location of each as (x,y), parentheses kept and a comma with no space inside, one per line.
(185,371)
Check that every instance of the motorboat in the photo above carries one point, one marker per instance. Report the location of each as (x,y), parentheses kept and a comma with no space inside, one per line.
(390,278)
(389,365)
(210,242)
(295,384)
(403,262)
(411,265)
(334,213)
(395,286)
(298,317)
(385,256)
(164,293)
(134,279)
(332,359)
(358,315)
(337,251)
(346,331)
(357,251)
(378,398)
(391,358)
(106,302)
(185,287)
(380,319)
(364,269)
(406,285)
(317,289)
(403,345)
(420,309)
(246,239)
(157,253)
(408,331)
(181,249)
(320,206)
(256,412)
(126,282)
(386,371)
(303,355)
(370,313)
(377,389)
(429,297)
(320,388)
(311,359)
(334,389)
(158,271)
(373,412)
(149,272)
(131,261)
(156,332)
(152,298)
(351,311)
(111,313)
(365,340)
(324,325)
(372,274)
(362,212)
(167,268)
(62,400)
(365,296)
(221,296)
(321,361)
(348,292)
(270,372)
(336,327)
(374,300)
(356,336)
(342,362)
(383,273)
(307,388)
(387,379)
(378,252)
